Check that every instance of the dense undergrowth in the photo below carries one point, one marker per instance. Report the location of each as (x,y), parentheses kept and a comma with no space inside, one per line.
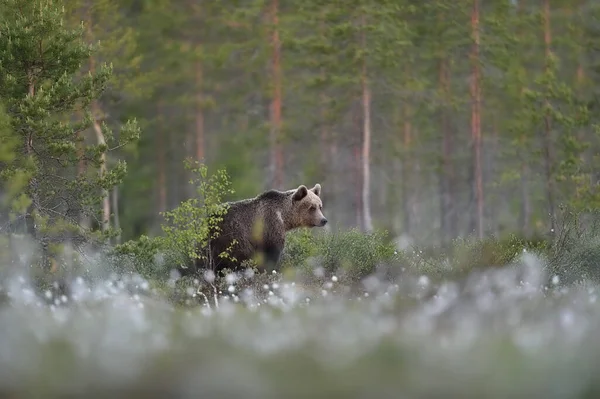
(312,257)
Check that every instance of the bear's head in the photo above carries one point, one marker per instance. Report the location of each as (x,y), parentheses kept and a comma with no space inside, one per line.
(307,207)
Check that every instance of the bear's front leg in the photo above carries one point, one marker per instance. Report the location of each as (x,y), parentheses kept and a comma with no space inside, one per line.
(271,254)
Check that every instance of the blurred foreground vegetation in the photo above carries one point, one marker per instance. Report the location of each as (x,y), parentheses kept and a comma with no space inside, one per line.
(350,314)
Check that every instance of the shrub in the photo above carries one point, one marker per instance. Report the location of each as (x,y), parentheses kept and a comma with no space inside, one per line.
(467,255)
(189,227)
(351,253)
(139,256)
(575,253)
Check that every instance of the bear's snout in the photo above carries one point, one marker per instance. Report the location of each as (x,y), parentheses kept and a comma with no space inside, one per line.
(323,222)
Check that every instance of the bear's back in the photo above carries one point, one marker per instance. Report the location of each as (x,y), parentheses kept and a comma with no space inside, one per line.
(265,206)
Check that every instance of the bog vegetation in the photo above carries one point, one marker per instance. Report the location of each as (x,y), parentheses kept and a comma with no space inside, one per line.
(456,143)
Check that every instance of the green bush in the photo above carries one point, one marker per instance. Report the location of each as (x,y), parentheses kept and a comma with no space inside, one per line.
(139,256)
(468,254)
(354,254)
(188,227)
(575,253)
(351,253)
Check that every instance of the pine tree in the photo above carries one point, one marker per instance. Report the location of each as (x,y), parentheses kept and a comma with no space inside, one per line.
(40,59)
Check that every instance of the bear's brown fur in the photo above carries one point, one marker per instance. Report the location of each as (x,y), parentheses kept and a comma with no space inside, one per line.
(259,226)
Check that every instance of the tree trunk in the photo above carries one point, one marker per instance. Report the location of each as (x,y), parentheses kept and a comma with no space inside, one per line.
(448,213)
(84,220)
(491,214)
(35,205)
(359,208)
(366,149)
(416,217)
(96,111)
(332,150)
(328,135)
(472,201)
(160,155)
(32,186)
(406,173)
(324,138)
(476,121)
(276,150)
(356,166)
(548,146)
(326,158)
(324,152)
(525,213)
(115,207)
(96,114)
(199,114)
(525,216)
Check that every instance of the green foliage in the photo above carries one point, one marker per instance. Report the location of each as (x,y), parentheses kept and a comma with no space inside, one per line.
(40,59)
(575,253)
(116,42)
(354,255)
(188,229)
(351,253)
(140,256)
(13,200)
(195,222)
(469,254)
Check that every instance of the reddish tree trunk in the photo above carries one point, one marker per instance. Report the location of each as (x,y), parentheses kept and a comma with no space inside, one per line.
(492,197)
(548,147)
(476,121)
(276,148)
(366,149)
(357,162)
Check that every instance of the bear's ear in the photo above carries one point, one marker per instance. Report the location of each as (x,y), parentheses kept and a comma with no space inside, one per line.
(316,189)
(300,193)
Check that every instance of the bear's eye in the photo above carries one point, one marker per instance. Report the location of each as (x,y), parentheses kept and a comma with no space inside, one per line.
(313,208)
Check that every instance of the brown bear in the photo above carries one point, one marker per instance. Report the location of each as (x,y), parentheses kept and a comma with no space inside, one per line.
(259,225)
